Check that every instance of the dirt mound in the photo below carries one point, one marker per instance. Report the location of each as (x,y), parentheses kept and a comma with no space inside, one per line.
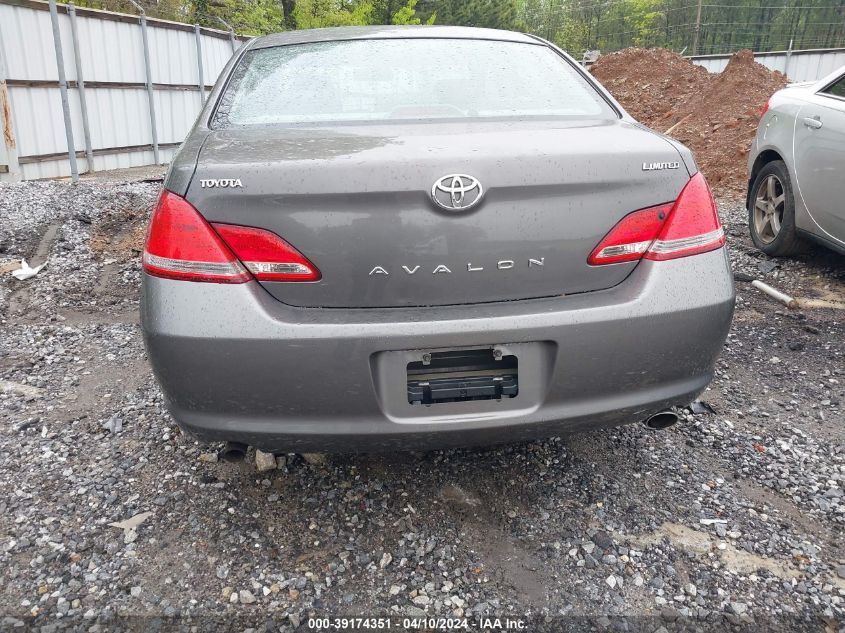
(721,126)
(120,229)
(653,84)
(714,115)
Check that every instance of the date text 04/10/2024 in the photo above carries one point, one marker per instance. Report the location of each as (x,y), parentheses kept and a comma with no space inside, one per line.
(416,623)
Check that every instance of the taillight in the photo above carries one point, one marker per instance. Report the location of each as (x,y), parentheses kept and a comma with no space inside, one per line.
(765,109)
(693,225)
(629,239)
(182,245)
(266,255)
(687,227)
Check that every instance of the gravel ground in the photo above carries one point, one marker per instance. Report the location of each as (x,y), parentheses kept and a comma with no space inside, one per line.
(735,516)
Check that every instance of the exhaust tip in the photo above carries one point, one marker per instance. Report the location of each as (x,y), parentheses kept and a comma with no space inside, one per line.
(662,420)
(232,452)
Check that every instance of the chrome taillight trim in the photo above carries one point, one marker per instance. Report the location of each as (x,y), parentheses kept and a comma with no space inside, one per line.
(682,244)
(218,269)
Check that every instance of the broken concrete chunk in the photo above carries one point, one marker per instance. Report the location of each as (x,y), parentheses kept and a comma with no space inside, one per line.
(264,461)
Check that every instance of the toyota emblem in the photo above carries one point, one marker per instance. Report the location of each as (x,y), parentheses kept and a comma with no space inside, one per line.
(456,192)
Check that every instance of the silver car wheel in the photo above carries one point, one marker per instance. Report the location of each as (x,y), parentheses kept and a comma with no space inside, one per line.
(768,208)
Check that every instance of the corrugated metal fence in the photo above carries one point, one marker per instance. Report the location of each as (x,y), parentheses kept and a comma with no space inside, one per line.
(106,74)
(128,109)
(804,65)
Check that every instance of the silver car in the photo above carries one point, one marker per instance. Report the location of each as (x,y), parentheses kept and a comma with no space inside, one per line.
(797,169)
(414,237)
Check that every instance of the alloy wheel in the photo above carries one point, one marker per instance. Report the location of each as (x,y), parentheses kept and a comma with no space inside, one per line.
(768,208)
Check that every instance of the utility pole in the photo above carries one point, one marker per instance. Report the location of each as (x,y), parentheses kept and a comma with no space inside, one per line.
(697,30)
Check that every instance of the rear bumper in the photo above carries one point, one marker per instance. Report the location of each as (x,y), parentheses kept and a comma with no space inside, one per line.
(235,364)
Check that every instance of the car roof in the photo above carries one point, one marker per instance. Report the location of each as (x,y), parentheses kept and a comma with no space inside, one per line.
(307,36)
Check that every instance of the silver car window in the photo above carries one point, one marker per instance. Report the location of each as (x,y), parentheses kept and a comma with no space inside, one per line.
(836,89)
(404,79)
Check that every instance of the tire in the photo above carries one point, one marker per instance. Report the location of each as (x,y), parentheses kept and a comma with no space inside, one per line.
(771,212)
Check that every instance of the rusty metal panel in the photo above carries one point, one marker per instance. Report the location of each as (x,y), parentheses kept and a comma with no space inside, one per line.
(8,143)
(38,119)
(6,118)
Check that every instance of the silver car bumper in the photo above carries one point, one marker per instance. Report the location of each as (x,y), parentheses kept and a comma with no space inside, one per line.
(235,364)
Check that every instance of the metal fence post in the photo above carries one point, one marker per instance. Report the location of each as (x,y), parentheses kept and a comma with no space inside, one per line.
(199,63)
(231,33)
(60,63)
(80,84)
(786,61)
(7,129)
(149,75)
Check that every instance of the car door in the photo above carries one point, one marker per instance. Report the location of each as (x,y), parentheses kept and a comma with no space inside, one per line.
(820,158)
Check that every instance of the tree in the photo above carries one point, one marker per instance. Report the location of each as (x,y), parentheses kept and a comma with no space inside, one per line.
(575,25)
(288,7)
(406,14)
(495,14)
(255,17)
(313,14)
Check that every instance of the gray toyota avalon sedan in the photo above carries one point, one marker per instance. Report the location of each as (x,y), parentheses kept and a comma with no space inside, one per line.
(413,237)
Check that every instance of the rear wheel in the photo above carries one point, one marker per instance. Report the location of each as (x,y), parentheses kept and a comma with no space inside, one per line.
(771,215)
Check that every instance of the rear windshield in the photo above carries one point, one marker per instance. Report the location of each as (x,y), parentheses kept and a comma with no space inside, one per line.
(404,79)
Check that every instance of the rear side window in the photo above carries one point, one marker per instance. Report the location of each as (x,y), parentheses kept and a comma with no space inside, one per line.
(837,88)
(404,79)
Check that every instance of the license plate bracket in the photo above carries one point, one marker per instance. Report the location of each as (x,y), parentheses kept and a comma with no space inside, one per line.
(462,375)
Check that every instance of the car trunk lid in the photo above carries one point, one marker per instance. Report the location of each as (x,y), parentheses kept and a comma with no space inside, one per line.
(356,201)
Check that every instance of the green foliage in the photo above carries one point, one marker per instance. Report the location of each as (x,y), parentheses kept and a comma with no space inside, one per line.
(314,14)
(494,14)
(607,25)
(406,14)
(248,18)
(643,19)
(575,25)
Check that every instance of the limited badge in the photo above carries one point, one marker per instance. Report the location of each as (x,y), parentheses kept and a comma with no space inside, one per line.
(669,165)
